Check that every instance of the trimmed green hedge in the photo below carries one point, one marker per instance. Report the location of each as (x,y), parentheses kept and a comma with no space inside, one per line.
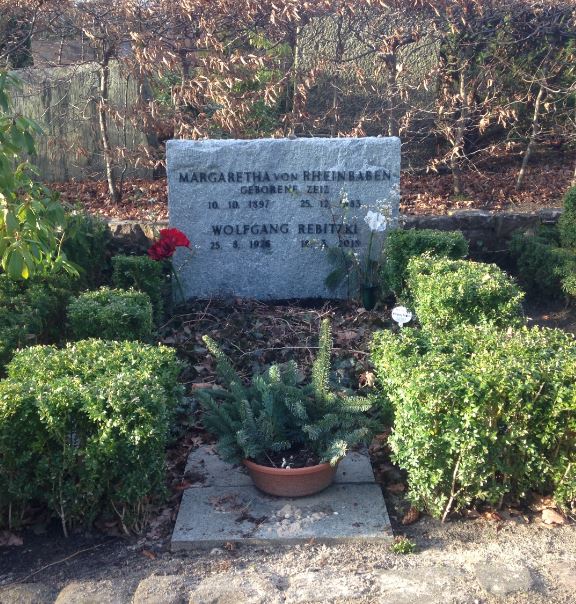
(87,244)
(402,245)
(544,269)
(447,293)
(481,414)
(567,222)
(83,429)
(32,311)
(111,314)
(143,274)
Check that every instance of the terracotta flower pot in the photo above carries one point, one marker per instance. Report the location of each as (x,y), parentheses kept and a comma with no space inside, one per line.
(297,482)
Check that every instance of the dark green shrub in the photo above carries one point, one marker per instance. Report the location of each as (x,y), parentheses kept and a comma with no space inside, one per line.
(567,222)
(143,274)
(111,314)
(83,429)
(542,266)
(481,414)
(86,245)
(447,293)
(32,311)
(402,245)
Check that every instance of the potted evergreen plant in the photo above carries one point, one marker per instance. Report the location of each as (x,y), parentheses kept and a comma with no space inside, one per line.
(289,436)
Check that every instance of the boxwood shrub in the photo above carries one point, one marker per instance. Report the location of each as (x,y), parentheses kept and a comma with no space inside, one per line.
(143,274)
(32,311)
(402,245)
(87,244)
(447,293)
(111,314)
(567,222)
(481,414)
(83,429)
(544,269)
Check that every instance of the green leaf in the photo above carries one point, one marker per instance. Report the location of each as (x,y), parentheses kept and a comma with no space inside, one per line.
(15,265)
(11,222)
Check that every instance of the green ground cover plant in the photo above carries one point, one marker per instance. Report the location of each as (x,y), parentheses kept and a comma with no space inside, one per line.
(401,245)
(481,414)
(447,293)
(276,413)
(111,314)
(143,274)
(83,430)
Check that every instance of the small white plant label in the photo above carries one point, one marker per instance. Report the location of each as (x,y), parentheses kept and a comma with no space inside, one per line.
(401,315)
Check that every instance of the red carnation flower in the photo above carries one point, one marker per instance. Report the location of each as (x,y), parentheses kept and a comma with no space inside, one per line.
(166,245)
(161,250)
(176,236)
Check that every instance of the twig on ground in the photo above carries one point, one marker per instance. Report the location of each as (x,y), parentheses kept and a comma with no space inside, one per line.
(26,577)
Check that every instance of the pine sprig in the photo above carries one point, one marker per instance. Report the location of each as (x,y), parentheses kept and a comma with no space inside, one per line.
(274,413)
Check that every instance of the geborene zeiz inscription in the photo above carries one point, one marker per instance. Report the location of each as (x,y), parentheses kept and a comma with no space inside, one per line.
(260,213)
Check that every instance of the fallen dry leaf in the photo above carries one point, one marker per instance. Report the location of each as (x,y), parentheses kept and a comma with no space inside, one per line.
(148,554)
(493,515)
(550,516)
(396,488)
(201,385)
(367,379)
(410,517)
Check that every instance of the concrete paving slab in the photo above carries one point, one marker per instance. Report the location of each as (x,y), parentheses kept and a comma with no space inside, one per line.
(354,468)
(206,469)
(212,516)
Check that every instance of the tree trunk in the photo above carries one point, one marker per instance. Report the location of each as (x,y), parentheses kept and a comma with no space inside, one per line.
(392,100)
(340,45)
(295,79)
(113,188)
(574,177)
(533,135)
(459,134)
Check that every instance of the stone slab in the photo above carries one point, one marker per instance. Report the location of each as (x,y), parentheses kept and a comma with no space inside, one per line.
(206,469)
(212,516)
(260,213)
(503,579)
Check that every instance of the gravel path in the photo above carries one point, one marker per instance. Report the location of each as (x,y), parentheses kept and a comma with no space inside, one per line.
(467,562)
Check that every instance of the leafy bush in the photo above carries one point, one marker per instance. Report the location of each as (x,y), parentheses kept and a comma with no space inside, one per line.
(83,429)
(543,268)
(403,245)
(31,217)
(111,314)
(447,293)
(86,244)
(143,274)
(276,414)
(567,222)
(481,414)
(32,311)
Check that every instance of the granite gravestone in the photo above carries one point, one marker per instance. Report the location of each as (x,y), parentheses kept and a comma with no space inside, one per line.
(261,213)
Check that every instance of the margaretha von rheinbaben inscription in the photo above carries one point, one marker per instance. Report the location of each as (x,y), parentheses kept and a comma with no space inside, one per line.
(260,213)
